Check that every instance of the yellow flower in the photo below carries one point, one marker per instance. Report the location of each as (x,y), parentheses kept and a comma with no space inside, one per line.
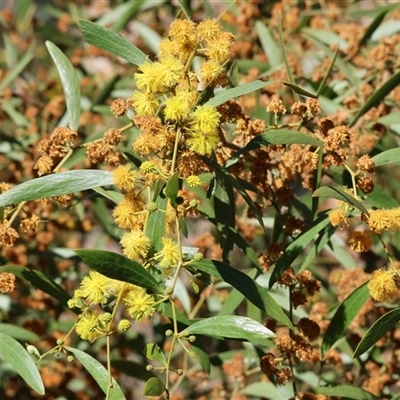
(135,245)
(382,286)
(337,217)
(360,241)
(144,103)
(129,213)
(124,177)
(220,48)
(176,108)
(94,288)
(384,220)
(193,181)
(205,119)
(139,304)
(208,29)
(202,143)
(89,326)
(124,325)
(147,75)
(210,70)
(169,255)
(173,71)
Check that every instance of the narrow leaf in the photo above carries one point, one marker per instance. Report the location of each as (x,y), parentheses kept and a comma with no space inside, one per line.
(387,157)
(328,72)
(230,326)
(153,387)
(380,327)
(110,41)
(99,373)
(155,228)
(339,194)
(116,266)
(346,391)
(40,281)
(268,43)
(299,90)
(228,94)
(19,333)
(19,67)
(15,354)
(69,82)
(251,290)
(297,247)
(377,97)
(56,185)
(149,36)
(279,136)
(344,315)
(154,352)
(380,16)
(172,189)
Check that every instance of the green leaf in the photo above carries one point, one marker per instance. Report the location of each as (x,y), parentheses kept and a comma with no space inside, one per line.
(172,188)
(107,40)
(131,368)
(390,119)
(284,55)
(259,389)
(154,387)
(342,65)
(279,136)
(19,67)
(155,228)
(19,333)
(271,49)
(377,97)
(380,199)
(224,206)
(379,17)
(344,315)
(380,327)
(251,290)
(318,245)
(153,352)
(149,36)
(387,157)
(15,354)
(228,94)
(297,247)
(40,281)
(231,327)
(328,72)
(327,37)
(116,266)
(56,185)
(339,194)
(99,373)
(69,82)
(299,90)
(346,391)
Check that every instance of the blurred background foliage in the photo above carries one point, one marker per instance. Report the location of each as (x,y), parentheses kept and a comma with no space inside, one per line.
(360,36)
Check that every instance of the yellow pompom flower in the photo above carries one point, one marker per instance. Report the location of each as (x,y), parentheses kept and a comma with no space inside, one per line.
(176,108)
(205,119)
(144,103)
(139,304)
(145,78)
(202,143)
(94,288)
(209,71)
(338,217)
(172,72)
(89,326)
(382,286)
(129,213)
(360,241)
(169,255)
(208,29)
(383,220)
(193,181)
(135,245)
(124,325)
(124,177)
